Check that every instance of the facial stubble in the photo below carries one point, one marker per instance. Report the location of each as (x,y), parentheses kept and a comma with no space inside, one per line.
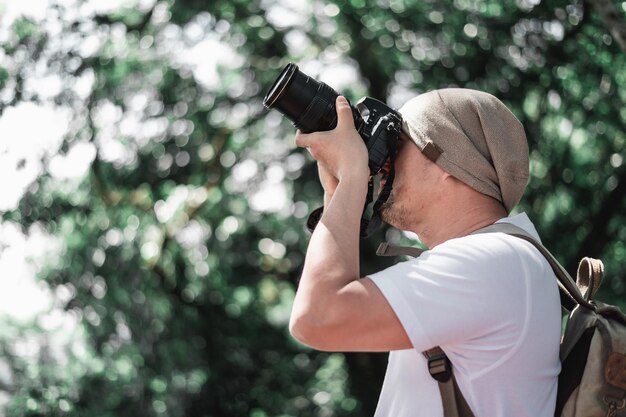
(393,213)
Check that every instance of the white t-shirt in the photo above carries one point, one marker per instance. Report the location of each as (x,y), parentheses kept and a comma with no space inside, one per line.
(491,302)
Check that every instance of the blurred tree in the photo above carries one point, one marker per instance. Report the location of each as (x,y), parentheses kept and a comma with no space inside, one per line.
(182,242)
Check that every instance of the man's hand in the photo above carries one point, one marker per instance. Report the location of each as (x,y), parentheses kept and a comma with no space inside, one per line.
(340,153)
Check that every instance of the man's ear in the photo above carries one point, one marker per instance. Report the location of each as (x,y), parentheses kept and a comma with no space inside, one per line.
(445,175)
(447,178)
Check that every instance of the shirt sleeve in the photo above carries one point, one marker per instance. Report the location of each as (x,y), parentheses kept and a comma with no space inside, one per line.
(461,292)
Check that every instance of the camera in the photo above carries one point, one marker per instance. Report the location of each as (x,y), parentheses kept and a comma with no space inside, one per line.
(310,105)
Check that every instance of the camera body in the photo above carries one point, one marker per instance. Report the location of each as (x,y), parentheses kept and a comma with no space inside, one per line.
(310,105)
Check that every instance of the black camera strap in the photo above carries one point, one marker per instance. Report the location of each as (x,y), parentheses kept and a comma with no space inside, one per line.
(370,226)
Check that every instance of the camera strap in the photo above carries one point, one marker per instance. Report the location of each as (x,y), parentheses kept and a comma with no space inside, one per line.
(369,226)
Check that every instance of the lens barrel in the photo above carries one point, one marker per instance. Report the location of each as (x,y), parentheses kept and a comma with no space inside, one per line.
(308,103)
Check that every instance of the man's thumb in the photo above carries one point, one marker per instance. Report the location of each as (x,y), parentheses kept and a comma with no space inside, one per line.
(344,112)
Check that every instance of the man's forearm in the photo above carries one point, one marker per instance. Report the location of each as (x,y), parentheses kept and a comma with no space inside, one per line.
(334,245)
(332,259)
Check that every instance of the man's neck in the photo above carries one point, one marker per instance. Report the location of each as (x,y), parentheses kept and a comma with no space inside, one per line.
(449,224)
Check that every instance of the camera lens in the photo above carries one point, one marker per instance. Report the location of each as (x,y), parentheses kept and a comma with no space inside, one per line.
(308,103)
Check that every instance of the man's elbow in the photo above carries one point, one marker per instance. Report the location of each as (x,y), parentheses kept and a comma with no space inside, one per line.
(296,329)
(310,332)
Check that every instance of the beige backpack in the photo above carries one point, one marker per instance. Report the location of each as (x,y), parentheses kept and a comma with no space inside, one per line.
(592,382)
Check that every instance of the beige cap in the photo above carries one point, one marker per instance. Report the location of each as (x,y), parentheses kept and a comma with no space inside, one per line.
(474,137)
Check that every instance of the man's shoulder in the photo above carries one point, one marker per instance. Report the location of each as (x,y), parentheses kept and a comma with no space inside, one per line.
(479,246)
(486,254)
(492,244)
(522,221)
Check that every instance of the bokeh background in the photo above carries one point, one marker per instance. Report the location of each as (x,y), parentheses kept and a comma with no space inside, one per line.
(151,230)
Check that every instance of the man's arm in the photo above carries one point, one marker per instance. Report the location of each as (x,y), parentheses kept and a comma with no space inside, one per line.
(333,308)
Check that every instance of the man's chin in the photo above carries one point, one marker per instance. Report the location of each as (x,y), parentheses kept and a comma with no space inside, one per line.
(393,215)
(387,214)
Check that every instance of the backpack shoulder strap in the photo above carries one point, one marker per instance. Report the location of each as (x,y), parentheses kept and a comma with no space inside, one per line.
(387,249)
(452,399)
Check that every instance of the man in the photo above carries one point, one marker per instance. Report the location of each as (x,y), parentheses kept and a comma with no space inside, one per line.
(490,301)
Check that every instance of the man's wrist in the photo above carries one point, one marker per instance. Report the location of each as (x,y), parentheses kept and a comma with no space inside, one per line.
(356,174)
(353,181)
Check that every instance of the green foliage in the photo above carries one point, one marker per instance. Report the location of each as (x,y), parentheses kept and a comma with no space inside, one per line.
(4,76)
(182,245)
(24,29)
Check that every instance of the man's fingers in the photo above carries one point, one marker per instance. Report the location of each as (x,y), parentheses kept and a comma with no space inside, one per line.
(344,112)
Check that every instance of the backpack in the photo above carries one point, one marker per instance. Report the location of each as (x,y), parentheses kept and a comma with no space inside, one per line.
(592,382)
